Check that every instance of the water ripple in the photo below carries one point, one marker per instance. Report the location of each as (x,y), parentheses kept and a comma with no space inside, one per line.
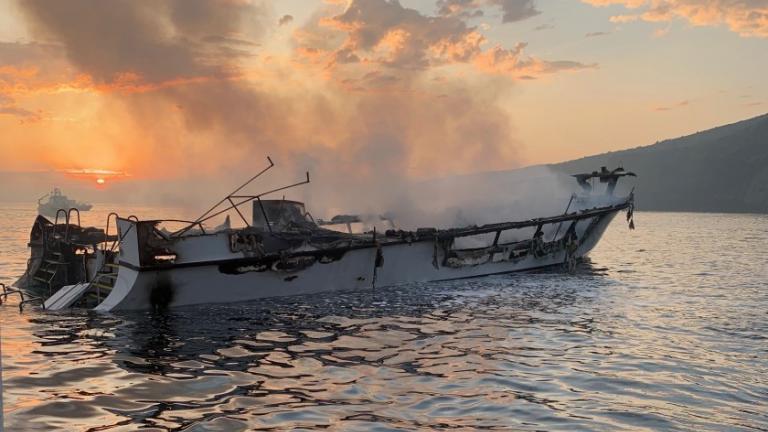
(658,332)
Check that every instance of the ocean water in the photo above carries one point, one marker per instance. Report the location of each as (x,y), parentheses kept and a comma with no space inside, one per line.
(664,328)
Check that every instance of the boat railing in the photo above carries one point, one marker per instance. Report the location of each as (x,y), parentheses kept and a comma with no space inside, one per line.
(69,218)
(236,201)
(568,207)
(99,274)
(56,221)
(106,231)
(77,212)
(540,222)
(245,199)
(9,291)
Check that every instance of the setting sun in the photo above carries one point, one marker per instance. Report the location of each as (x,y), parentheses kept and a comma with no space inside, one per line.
(98,175)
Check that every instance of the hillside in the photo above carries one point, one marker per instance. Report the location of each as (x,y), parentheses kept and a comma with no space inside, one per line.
(720,170)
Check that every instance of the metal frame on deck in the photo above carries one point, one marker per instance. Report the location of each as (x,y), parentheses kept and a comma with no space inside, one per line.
(505,226)
(232,197)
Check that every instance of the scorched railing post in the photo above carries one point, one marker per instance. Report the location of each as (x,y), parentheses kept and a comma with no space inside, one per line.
(564,214)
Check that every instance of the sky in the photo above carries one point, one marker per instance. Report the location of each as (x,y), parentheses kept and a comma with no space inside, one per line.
(362,92)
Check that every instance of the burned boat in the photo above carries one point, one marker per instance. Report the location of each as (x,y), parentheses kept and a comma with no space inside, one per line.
(283,251)
(63,253)
(56,201)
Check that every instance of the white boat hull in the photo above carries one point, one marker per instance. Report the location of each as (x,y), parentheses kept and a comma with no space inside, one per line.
(195,280)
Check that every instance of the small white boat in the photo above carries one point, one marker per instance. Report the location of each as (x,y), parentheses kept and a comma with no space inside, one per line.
(58,201)
(283,251)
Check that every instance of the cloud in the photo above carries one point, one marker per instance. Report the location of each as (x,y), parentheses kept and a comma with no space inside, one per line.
(680,104)
(23,115)
(749,18)
(511,10)
(42,70)
(500,60)
(371,91)
(285,19)
(517,10)
(20,75)
(621,19)
(387,34)
(156,40)
(596,34)
(632,4)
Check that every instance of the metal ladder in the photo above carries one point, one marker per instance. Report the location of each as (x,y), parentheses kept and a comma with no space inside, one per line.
(106,275)
(53,262)
(104,280)
(50,268)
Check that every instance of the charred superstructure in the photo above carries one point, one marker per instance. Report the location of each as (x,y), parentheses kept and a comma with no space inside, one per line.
(283,250)
(65,253)
(608,177)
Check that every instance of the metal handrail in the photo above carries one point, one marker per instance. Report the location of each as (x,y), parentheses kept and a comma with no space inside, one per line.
(77,211)
(249,198)
(66,216)
(106,231)
(505,226)
(69,218)
(232,197)
(271,164)
(56,220)
(98,275)
(4,293)
(119,238)
(264,214)
(564,213)
(30,300)
(7,291)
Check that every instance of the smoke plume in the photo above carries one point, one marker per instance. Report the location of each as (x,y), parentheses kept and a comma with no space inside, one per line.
(370,97)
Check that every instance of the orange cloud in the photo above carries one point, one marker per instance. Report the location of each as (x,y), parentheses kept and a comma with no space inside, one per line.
(10,77)
(628,3)
(385,33)
(512,10)
(372,90)
(620,19)
(28,82)
(499,60)
(749,18)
